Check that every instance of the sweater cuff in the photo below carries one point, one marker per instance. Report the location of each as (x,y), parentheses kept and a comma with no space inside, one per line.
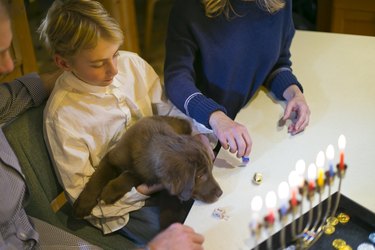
(35,86)
(281,82)
(200,108)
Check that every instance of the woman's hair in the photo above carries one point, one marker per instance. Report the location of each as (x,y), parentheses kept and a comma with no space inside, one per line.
(73,25)
(215,8)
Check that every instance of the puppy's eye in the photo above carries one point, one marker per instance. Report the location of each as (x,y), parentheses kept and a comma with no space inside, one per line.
(201,177)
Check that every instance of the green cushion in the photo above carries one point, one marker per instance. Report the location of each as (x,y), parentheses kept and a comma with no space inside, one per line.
(25,135)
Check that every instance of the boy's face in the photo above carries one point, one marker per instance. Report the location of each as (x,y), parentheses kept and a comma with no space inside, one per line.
(96,66)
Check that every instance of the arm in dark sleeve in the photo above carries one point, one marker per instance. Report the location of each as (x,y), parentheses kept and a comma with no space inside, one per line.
(179,73)
(282,76)
(19,95)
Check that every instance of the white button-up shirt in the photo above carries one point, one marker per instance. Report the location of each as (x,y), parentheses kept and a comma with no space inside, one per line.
(83,122)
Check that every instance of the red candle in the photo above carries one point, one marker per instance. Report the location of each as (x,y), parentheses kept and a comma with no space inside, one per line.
(311,176)
(293,201)
(341,166)
(270,218)
(342,144)
(270,204)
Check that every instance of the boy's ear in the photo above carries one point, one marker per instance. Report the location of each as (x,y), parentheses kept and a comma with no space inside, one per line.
(61,62)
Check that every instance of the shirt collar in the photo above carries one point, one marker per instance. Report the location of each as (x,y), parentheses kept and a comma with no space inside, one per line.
(80,85)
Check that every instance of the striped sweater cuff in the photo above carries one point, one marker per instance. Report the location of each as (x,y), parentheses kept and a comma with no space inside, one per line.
(200,108)
(280,81)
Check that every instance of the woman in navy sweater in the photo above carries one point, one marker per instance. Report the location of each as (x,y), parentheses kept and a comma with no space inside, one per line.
(220,52)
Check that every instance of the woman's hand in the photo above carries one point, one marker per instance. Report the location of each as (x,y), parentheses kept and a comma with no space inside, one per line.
(297,104)
(231,134)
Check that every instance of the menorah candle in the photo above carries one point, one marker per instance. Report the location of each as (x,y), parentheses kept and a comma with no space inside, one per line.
(311,176)
(256,206)
(330,153)
(270,204)
(342,144)
(320,165)
(293,183)
(300,169)
(283,192)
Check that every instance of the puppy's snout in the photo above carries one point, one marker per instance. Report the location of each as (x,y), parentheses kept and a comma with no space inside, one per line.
(218,192)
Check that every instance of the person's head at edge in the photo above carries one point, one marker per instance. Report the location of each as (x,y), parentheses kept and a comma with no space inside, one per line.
(84,39)
(6,61)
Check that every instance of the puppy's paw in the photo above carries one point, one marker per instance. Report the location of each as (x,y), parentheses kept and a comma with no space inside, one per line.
(83,206)
(110,194)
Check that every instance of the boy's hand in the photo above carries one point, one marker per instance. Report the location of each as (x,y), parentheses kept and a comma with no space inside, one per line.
(148,190)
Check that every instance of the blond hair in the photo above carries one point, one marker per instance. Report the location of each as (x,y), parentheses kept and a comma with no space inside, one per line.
(73,25)
(215,8)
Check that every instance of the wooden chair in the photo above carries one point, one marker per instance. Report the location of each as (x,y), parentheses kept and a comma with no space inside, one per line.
(22,48)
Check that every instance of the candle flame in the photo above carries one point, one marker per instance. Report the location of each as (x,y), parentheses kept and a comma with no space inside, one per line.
(330,152)
(256,203)
(342,142)
(271,199)
(283,190)
(311,172)
(300,167)
(320,159)
(293,179)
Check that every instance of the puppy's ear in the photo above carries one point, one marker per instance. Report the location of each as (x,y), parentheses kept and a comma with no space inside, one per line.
(180,181)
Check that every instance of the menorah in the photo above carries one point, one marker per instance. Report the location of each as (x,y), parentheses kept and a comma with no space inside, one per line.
(305,229)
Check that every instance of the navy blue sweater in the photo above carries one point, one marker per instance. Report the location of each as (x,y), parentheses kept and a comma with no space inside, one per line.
(219,64)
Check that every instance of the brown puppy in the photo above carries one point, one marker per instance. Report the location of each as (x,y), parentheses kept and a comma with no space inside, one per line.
(157,149)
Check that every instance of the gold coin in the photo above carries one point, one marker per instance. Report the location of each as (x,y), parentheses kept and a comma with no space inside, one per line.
(328,229)
(343,218)
(338,243)
(332,221)
(346,247)
(258,178)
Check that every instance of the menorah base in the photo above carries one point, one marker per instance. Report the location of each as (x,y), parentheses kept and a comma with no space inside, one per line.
(355,232)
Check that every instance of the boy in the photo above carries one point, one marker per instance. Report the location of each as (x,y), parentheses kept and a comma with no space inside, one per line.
(102,92)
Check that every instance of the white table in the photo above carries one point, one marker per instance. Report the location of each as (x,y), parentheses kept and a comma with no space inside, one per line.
(338,75)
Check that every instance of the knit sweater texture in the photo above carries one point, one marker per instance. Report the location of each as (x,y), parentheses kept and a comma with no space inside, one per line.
(219,63)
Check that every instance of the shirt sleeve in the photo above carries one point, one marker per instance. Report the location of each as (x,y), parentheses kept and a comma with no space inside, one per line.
(19,95)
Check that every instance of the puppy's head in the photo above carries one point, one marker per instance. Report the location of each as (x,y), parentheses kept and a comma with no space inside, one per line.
(188,171)
(206,188)
(178,173)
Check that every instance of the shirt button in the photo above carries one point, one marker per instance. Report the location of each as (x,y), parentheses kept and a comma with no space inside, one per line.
(22,236)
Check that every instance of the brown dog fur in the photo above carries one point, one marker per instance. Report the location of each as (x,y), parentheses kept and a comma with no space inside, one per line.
(157,149)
